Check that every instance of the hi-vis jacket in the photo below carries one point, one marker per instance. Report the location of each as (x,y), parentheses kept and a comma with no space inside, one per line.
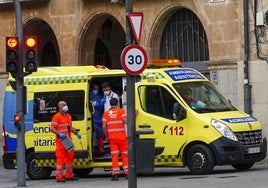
(115,124)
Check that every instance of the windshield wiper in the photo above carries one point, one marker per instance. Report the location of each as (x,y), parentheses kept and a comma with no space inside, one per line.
(203,110)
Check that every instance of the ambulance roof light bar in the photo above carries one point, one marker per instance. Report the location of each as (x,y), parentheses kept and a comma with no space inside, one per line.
(164,63)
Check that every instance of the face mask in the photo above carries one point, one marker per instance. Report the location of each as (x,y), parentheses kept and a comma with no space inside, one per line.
(95,91)
(106,93)
(65,108)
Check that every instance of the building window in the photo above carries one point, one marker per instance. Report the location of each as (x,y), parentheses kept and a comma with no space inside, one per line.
(184,38)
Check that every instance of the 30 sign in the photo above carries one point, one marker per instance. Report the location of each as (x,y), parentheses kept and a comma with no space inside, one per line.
(134,59)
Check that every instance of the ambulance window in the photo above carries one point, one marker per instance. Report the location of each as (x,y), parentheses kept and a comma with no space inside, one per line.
(156,100)
(46,104)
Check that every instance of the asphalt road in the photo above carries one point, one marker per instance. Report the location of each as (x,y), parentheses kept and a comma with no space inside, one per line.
(222,177)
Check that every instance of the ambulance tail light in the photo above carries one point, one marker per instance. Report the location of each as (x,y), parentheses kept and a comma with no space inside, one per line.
(223,129)
(164,63)
(4,140)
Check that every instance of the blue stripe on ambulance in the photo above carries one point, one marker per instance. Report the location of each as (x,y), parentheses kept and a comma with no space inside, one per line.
(8,122)
(240,120)
(184,74)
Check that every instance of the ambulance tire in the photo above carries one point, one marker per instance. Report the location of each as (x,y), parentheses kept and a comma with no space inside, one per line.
(243,166)
(34,172)
(200,160)
(82,172)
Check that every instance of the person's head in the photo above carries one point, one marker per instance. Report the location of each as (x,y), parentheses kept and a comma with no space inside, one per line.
(113,102)
(106,88)
(186,91)
(62,106)
(95,89)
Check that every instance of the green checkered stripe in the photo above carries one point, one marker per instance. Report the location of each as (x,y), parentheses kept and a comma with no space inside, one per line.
(46,162)
(55,80)
(166,158)
(81,162)
(156,74)
(52,162)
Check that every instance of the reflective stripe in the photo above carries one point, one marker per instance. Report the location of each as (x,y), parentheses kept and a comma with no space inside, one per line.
(59,167)
(114,122)
(114,152)
(63,124)
(124,152)
(115,130)
(68,165)
(53,122)
(115,170)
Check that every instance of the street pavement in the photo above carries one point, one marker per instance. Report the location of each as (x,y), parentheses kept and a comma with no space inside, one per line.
(222,177)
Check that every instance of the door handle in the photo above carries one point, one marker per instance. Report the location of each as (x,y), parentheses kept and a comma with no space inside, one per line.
(145,126)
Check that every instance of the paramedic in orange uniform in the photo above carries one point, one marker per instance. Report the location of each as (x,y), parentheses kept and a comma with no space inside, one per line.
(113,127)
(61,125)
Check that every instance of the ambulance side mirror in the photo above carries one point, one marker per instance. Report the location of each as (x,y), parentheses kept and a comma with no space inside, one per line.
(179,113)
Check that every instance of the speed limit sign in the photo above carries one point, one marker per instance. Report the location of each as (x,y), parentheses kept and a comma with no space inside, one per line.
(134,59)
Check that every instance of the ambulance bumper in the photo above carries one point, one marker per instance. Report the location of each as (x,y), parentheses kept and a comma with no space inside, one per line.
(229,152)
(9,160)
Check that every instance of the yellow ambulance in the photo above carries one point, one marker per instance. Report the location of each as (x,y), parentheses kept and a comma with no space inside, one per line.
(193,124)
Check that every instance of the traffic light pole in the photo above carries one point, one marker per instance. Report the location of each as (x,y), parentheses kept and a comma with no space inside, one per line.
(132,178)
(21,182)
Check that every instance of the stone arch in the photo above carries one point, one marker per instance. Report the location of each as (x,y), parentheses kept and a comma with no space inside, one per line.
(91,34)
(159,25)
(48,48)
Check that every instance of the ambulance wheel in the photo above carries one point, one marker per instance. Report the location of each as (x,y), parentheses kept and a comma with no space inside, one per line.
(82,172)
(243,166)
(33,171)
(200,160)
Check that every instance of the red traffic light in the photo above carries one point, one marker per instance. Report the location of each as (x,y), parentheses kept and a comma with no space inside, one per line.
(11,42)
(30,42)
(17,117)
(30,50)
(12,56)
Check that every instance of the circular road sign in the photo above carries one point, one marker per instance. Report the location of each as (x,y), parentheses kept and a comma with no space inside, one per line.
(134,59)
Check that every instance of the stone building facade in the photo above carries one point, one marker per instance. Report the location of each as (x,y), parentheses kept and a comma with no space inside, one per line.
(88,32)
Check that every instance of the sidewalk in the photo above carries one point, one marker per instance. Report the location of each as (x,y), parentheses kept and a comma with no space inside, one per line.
(98,178)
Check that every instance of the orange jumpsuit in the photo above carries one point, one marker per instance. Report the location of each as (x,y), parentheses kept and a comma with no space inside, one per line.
(116,134)
(62,123)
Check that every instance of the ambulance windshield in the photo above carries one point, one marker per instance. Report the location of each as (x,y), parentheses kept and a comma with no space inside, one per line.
(202,97)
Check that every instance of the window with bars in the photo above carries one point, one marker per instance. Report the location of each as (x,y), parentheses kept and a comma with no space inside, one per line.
(184,38)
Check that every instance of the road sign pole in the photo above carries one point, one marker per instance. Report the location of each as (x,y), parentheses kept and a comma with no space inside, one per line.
(132,181)
(21,182)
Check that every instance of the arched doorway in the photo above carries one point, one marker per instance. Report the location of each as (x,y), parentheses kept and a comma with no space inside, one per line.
(48,49)
(184,38)
(102,55)
(180,34)
(101,42)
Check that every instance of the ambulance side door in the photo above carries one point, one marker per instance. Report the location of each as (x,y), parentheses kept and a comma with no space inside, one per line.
(155,111)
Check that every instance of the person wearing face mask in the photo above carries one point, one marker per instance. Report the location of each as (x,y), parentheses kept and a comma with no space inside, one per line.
(186,93)
(61,125)
(108,95)
(95,98)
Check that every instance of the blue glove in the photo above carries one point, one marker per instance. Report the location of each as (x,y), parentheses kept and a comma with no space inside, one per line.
(78,136)
(103,100)
(61,136)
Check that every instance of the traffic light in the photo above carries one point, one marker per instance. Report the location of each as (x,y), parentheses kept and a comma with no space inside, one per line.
(31,60)
(17,121)
(12,56)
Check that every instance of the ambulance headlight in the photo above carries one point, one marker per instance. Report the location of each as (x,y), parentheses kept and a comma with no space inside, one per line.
(223,129)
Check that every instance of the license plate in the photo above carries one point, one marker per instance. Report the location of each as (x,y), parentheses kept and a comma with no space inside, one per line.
(254,150)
